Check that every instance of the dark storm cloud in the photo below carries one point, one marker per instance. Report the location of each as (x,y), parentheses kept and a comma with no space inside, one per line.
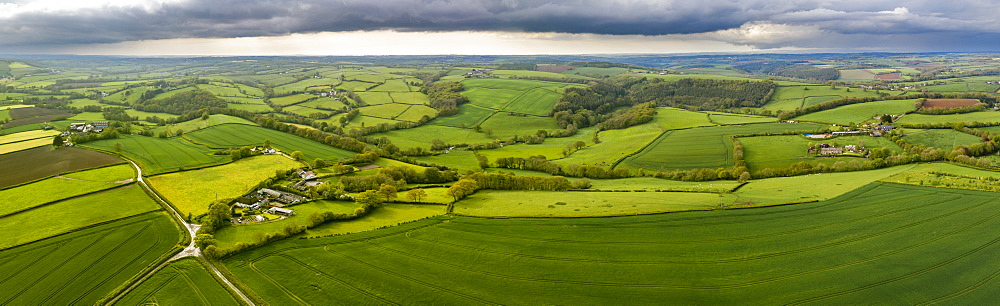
(230,18)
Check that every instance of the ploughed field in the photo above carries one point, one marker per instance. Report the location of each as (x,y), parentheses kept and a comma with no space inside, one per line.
(882,243)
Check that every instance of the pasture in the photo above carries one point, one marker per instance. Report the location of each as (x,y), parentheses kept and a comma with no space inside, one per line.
(856,75)
(615,145)
(32,164)
(422,137)
(945,139)
(706,147)
(197,124)
(192,191)
(669,118)
(239,135)
(729,119)
(812,187)
(766,255)
(503,125)
(500,203)
(83,266)
(860,112)
(292,99)
(74,213)
(386,216)
(375,98)
(158,155)
(182,282)
(468,115)
(983,116)
(409,97)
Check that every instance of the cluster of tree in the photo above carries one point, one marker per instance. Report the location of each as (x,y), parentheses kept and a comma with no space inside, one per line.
(789,69)
(699,175)
(462,188)
(604,65)
(109,133)
(445,97)
(369,182)
(118,114)
(539,163)
(518,66)
(429,175)
(346,119)
(431,77)
(509,181)
(635,115)
(181,103)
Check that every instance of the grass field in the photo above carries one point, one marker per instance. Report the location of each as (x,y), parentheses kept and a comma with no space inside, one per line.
(83,266)
(62,187)
(655,184)
(779,152)
(410,97)
(239,135)
(491,97)
(883,243)
(538,102)
(726,118)
(422,137)
(396,85)
(192,191)
(861,112)
(386,216)
(74,213)
(496,203)
(468,115)
(375,98)
(158,155)
(856,74)
(458,159)
(812,187)
(983,116)
(708,147)
(947,176)
(33,164)
(387,111)
(944,138)
(791,97)
(614,146)
(670,118)
(182,282)
(197,124)
(293,99)
(504,125)
(416,112)
(552,148)
(29,135)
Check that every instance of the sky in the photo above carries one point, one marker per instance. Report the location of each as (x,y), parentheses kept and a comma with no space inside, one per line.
(493,27)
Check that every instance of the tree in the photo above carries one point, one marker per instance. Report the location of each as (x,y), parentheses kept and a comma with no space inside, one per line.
(319,163)
(744,177)
(462,188)
(369,198)
(204,240)
(218,214)
(387,192)
(414,195)
(58,141)
(297,155)
(118,147)
(204,116)
(212,251)
(267,143)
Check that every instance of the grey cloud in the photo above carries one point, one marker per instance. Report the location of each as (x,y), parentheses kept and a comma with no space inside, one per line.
(232,18)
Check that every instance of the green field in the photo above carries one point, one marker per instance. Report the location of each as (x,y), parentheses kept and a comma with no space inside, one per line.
(182,282)
(62,187)
(674,118)
(387,111)
(945,138)
(422,137)
(192,191)
(293,99)
(492,203)
(409,97)
(491,98)
(726,119)
(984,116)
(655,184)
(386,216)
(74,213)
(707,147)
(614,146)
(239,135)
(416,112)
(375,98)
(83,266)
(231,235)
(792,97)
(504,125)
(856,75)
(779,152)
(813,187)
(860,112)
(722,257)
(396,85)
(468,115)
(29,135)
(158,155)
(197,124)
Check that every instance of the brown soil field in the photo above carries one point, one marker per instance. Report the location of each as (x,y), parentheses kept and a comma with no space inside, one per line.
(889,76)
(949,103)
(28,112)
(32,164)
(39,119)
(554,69)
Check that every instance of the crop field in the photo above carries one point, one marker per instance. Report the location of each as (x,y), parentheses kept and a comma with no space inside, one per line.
(182,282)
(497,203)
(538,102)
(707,147)
(410,97)
(158,155)
(764,255)
(32,164)
(949,103)
(231,235)
(983,116)
(192,191)
(813,187)
(24,145)
(293,99)
(468,115)
(422,137)
(375,98)
(22,136)
(239,135)
(779,152)
(75,213)
(61,187)
(416,112)
(945,139)
(614,146)
(491,98)
(83,266)
(670,118)
(386,216)
(197,124)
(860,112)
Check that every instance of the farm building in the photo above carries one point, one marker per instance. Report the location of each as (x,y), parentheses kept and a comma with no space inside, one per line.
(281,211)
(283,197)
(831,151)
(305,175)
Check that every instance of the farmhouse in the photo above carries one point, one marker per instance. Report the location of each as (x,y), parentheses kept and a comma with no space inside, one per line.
(281,211)
(305,175)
